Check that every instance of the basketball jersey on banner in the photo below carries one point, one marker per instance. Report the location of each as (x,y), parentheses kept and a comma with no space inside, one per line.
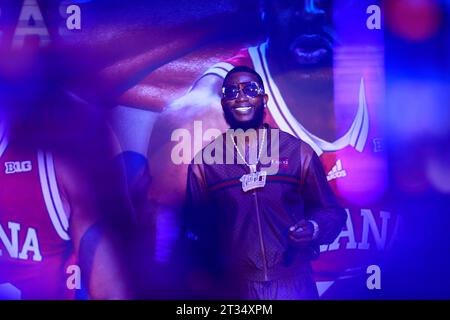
(35,246)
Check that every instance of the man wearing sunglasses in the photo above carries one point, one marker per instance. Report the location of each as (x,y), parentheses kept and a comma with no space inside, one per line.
(255,229)
(330,96)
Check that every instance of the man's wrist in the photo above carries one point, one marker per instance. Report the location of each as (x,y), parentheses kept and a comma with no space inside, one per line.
(316,229)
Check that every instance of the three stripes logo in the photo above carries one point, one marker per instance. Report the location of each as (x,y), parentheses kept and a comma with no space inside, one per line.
(336,172)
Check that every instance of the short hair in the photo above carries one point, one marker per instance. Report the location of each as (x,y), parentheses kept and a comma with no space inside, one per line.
(245,69)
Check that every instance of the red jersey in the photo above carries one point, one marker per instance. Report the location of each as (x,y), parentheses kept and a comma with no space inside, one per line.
(35,247)
(355,164)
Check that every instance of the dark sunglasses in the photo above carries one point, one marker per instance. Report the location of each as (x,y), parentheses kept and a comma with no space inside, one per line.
(250,89)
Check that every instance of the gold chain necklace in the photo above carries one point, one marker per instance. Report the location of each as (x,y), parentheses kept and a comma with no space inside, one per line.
(251,166)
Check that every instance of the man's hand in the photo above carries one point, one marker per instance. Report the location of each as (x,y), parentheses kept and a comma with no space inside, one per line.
(301,233)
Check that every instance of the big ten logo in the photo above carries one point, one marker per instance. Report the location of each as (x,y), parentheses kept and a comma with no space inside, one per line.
(17,166)
(373,21)
(31,22)
(378,145)
(74,279)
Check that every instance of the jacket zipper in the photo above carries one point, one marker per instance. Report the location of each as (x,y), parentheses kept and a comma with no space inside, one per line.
(261,241)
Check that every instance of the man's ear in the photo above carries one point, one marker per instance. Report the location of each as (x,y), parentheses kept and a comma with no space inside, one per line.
(266,98)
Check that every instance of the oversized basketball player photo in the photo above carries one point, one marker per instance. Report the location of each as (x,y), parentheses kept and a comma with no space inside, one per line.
(240,150)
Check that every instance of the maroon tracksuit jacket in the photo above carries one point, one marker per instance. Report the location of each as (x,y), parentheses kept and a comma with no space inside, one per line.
(246,233)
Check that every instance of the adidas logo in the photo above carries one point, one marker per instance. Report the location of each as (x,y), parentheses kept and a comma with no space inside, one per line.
(336,171)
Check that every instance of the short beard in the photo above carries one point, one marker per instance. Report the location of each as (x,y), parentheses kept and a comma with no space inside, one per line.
(254,123)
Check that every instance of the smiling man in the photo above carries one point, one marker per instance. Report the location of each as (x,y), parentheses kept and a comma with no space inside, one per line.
(329,94)
(259,230)
(242,94)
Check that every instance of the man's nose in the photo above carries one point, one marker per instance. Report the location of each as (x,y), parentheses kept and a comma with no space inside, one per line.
(241,95)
